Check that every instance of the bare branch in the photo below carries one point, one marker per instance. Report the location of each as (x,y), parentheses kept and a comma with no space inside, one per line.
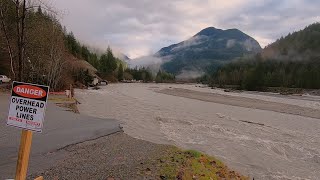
(7,41)
(43,5)
(13,1)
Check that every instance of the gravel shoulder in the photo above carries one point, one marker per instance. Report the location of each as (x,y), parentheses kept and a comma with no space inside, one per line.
(116,156)
(119,156)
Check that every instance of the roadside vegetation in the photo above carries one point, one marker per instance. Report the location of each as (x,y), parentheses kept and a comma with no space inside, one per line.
(62,101)
(179,164)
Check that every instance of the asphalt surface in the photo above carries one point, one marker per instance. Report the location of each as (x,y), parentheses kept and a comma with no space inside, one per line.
(61,128)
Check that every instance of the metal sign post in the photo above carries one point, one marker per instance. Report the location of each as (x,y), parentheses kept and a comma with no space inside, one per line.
(27,109)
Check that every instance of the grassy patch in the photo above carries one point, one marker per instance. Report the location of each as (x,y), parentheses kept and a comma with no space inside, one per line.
(5,88)
(60,99)
(69,103)
(178,164)
(71,106)
(193,153)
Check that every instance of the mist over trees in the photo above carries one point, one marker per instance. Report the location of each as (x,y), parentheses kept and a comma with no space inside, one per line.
(140,74)
(292,62)
(164,77)
(299,45)
(80,50)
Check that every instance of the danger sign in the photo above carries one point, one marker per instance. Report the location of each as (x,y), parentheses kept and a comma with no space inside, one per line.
(27,106)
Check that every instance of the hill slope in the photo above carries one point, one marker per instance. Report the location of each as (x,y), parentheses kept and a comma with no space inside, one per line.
(292,61)
(299,45)
(206,49)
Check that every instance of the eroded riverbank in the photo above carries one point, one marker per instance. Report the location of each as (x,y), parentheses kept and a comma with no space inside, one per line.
(272,146)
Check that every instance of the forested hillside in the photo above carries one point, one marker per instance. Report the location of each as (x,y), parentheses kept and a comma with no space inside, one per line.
(300,45)
(292,61)
(35,47)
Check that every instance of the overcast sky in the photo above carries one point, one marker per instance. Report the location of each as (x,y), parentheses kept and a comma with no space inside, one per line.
(142,27)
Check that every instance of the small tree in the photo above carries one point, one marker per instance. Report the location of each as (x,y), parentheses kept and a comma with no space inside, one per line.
(127,76)
(108,63)
(120,72)
(164,77)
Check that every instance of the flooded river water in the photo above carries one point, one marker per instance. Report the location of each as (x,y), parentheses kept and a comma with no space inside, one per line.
(263,143)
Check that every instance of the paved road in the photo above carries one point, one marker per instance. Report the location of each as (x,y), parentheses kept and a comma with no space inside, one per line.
(61,128)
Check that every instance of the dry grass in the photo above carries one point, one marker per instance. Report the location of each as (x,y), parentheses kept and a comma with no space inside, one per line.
(70,106)
(63,101)
(5,88)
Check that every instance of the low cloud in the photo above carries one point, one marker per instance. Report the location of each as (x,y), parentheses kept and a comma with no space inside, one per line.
(189,74)
(151,62)
(193,41)
(230,43)
(142,27)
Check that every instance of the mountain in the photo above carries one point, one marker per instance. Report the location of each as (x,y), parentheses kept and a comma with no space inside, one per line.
(206,50)
(292,61)
(121,56)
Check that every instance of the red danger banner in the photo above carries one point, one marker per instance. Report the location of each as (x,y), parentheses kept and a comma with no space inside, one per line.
(29,91)
(27,106)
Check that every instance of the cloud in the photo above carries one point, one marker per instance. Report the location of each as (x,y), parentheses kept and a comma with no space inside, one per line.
(151,62)
(193,41)
(230,43)
(146,61)
(189,74)
(142,27)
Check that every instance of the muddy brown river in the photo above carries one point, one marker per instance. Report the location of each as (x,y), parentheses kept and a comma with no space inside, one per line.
(262,135)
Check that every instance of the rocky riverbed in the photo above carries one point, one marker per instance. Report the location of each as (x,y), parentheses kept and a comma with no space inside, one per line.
(264,135)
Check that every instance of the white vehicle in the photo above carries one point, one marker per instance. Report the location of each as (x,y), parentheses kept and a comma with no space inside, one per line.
(4,79)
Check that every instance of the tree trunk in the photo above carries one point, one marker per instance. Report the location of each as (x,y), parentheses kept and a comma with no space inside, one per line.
(7,41)
(20,36)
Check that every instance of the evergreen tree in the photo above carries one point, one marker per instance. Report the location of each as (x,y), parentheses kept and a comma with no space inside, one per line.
(164,77)
(108,63)
(120,72)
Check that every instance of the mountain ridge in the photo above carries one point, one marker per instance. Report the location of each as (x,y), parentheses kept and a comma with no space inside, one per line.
(292,61)
(207,48)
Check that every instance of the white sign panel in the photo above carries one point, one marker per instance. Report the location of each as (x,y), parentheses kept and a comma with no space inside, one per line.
(27,106)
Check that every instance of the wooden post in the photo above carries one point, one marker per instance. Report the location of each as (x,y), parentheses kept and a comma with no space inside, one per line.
(71,95)
(39,178)
(71,91)
(24,153)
